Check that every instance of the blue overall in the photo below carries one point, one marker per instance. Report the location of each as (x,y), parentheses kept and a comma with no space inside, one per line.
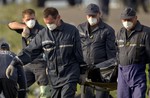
(131,81)
(134,54)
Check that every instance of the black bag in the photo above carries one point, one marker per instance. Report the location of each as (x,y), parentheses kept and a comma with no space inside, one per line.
(106,71)
(110,73)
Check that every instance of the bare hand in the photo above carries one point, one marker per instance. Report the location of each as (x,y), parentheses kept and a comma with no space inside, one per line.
(9,71)
(26,32)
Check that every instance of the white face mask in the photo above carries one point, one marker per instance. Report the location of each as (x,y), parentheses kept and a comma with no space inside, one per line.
(51,27)
(30,23)
(92,21)
(128,25)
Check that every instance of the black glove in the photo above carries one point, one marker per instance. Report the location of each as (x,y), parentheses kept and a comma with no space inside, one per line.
(95,75)
(83,69)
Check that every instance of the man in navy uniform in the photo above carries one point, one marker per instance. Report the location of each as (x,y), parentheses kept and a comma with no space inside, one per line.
(9,86)
(133,41)
(36,70)
(98,44)
(60,42)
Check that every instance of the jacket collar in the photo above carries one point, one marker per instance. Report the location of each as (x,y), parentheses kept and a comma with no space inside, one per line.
(36,24)
(61,27)
(137,28)
(100,25)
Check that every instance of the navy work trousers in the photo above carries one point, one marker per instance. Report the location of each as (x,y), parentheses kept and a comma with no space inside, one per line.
(131,81)
(66,91)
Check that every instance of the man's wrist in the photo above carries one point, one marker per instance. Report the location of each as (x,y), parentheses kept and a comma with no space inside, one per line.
(15,62)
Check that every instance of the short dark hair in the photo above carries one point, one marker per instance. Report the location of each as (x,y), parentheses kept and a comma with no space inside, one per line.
(28,11)
(4,46)
(50,11)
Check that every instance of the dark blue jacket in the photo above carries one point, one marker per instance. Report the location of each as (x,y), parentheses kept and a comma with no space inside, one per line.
(5,59)
(135,48)
(62,48)
(97,45)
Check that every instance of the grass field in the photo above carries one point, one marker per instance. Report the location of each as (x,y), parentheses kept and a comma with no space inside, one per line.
(13,12)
